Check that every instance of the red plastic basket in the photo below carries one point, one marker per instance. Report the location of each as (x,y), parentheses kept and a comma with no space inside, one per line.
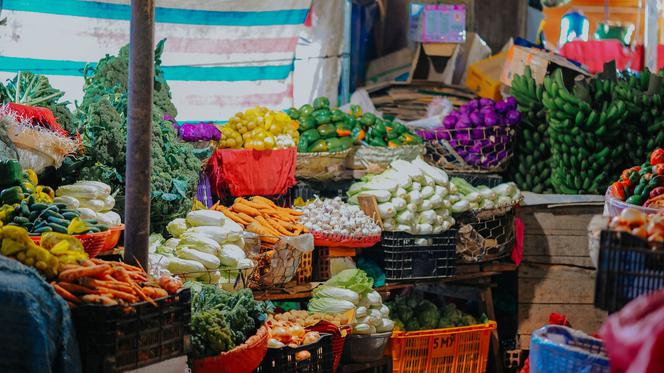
(242,359)
(338,338)
(113,237)
(340,240)
(93,243)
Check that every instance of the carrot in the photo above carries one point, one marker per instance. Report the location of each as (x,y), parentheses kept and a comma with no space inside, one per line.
(262,221)
(290,211)
(276,225)
(65,267)
(246,217)
(255,205)
(88,263)
(138,276)
(259,199)
(155,293)
(64,293)
(75,288)
(239,207)
(263,232)
(72,274)
(298,231)
(92,283)
(142,295)
(103,299)
(233,216)
(131,298)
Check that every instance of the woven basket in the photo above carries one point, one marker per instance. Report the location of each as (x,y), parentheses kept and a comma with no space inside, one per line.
(322,166)
(376,159)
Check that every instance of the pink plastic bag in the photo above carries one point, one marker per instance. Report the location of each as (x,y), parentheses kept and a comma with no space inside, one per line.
(634,337)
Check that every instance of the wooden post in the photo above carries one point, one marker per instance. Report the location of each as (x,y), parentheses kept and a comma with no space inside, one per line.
(139,131)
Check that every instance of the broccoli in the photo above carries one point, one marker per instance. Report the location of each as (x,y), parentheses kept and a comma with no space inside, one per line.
(427,315)
(211,333)
(413,325)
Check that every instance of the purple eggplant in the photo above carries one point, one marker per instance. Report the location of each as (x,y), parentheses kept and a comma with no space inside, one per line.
(513,117)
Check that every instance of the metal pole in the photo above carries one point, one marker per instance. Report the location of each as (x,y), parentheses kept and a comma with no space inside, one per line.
(650,35)
(139,131)
(345,67)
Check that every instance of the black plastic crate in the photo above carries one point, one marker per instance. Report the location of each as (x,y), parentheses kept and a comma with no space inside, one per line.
(118,338)
(283,360)
(627,268)
(413,257)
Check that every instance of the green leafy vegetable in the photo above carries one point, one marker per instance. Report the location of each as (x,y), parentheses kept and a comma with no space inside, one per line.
(352,279)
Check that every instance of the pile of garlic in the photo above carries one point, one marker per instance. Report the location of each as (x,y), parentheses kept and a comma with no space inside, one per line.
(334,216)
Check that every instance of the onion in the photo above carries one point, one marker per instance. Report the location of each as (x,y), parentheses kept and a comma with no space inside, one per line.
(476,118)
(477,133)
(476,148)
(633,217)
(513,117)
(450,121)
(464,138)
(473,104)
(463,123)
(490,119)
(502,107)
(511,102)
(484,102)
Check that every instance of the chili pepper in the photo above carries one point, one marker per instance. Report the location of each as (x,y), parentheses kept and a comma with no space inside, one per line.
(618,191)
(658,169)
(658,191)
(657,156)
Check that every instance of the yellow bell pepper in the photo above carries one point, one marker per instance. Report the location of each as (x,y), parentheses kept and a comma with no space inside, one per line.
(77,226)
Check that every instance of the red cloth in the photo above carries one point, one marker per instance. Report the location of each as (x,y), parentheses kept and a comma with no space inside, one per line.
(519,232)
(594,53)
(41,115)
(634,337)
(241,172)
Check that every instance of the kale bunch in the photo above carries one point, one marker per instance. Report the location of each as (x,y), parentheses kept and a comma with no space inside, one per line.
(218,312)
(102,118)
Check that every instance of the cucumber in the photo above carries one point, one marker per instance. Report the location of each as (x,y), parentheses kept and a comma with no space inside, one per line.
(93,230)
(90,221)
(44,229)
(69,215)
(51,213)
(57,228)
(20,220)
(60,206)
(31,200)
(39,224)
(102,227)
(63,222)
(33,215)
(25,211)
(38,206)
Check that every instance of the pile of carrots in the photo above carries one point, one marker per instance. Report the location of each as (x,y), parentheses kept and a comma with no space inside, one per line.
(110,283)
(263,217)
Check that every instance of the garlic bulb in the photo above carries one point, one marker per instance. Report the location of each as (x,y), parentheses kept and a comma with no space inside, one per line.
(334,216)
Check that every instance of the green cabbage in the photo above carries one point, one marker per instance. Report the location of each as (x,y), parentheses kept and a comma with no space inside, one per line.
(330,305)
(352,279)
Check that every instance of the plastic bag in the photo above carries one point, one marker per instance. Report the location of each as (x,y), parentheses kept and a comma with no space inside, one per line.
(634,337)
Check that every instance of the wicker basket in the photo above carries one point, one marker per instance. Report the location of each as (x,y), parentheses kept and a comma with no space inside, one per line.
(321,166)
(376,159)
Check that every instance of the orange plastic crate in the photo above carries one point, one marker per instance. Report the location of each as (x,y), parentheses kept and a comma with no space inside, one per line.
(463,349)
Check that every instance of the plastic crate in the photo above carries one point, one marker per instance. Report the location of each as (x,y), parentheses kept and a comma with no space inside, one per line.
(119,338)
(405,258)
(556,348)
(283,360)
(627,268)
(339,336)
(464,349)
(305,270)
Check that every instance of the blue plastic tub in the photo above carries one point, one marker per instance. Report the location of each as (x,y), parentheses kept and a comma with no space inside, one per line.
(559,349)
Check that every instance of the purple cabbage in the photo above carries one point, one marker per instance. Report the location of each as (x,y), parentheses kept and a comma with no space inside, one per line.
(192,132)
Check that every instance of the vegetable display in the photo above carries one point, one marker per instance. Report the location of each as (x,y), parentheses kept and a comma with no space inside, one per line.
(650,227)
(413,197)
(335,217)
(530,168)
(481,131)
(32,207)
(261,129)
(584,128)
(206,246)
(192,132)
(351,290)
(221,320)
(263,217)
(323,129)
(92,199)
(287,329)
(48,257)
(413,313)
(483,197)
(642,185)
(102,118)
(642,94)
(111,283)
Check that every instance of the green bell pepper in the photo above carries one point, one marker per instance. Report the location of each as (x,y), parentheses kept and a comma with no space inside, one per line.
(321,102)
(311,135)
(302,145)
(379,128)
(346,142)
(327,130)
(377,141)
(355,110)
(293,113)
(343,129)
(318,146)
(307,123)
(368,119)
(338,115)
(306,109)
(333,144)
